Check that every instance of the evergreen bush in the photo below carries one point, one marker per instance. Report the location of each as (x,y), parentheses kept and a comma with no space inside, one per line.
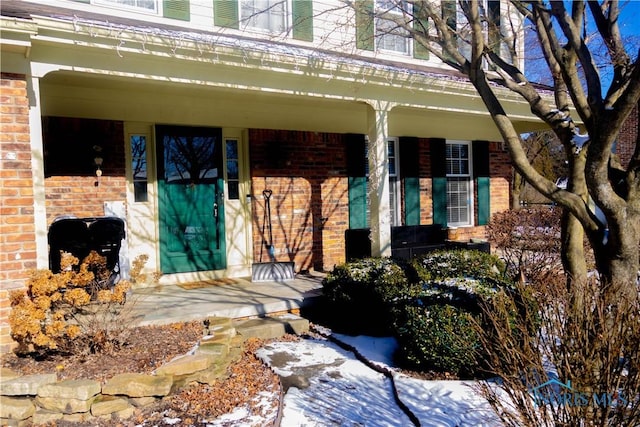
(436,329)
(358,293)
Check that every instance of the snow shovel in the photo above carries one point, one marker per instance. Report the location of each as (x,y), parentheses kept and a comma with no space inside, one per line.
(270,271)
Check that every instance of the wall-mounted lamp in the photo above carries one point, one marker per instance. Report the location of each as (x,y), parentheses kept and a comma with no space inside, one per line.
(97,160)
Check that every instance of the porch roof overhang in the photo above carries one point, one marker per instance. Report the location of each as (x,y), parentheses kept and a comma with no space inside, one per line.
(97,69)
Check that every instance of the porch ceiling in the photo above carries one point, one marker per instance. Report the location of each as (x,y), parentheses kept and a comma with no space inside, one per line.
(74,94)
(108,97)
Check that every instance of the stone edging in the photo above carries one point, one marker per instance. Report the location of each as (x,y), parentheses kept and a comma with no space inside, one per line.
(41,399)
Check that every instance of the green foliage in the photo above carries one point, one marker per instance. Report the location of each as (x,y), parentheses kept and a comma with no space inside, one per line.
(359,292)
(444,264)
(436,329)
(438,337)
(433,305)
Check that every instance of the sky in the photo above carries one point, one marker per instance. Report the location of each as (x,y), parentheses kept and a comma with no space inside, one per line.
(629,29)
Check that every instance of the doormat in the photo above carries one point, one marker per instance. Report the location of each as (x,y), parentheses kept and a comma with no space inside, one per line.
(206,283)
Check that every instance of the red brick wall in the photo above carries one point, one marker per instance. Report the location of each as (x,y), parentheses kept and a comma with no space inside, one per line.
(501,174)
(75,189)
(309,207)
(627,138)
(426,190)
(17,229)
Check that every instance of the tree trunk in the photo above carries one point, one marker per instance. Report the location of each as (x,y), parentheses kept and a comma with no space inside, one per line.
(573,256)
(517,184)
(618,258)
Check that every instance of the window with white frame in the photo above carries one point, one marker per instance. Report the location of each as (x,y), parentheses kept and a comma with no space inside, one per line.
(459,183)
(264,15)
(151,6)
(394,181)
(138,145)
(390,36)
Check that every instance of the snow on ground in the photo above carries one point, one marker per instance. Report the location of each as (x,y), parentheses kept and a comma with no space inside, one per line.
(330,386)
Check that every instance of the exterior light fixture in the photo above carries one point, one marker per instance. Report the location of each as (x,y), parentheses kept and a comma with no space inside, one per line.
(97,160)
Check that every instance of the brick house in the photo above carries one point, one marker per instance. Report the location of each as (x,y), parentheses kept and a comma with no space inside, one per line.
(173,113)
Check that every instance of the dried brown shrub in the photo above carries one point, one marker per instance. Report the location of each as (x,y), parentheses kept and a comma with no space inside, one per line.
(529,242)
(74,310)
(573,362)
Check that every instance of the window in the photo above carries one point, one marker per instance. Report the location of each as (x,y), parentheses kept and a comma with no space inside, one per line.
(142,5)
(139,167)
(265,15)
(233,177)
(394,181)
(390,36)
(459,189)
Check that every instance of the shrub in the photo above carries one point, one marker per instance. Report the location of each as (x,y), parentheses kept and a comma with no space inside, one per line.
(590,341)
(437,337)
(529,242)
(358,293)
(435,330)
(47,316)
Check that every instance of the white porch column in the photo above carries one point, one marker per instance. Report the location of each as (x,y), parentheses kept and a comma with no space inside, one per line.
(380,221)
(37,170)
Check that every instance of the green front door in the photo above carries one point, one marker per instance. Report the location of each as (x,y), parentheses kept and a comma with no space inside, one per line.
(190,192)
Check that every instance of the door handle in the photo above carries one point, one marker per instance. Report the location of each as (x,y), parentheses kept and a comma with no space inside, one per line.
(215,210)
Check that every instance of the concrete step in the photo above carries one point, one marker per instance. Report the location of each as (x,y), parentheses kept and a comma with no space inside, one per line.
(272,327)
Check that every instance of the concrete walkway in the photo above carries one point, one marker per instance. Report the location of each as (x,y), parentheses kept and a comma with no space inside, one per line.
(170,304)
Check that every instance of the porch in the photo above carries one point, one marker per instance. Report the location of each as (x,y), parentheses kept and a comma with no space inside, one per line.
(239,298)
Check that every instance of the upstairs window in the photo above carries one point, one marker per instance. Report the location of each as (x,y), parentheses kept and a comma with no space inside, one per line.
(140,5)
(381,26)
(264,15)
(390,35)
(270,16)
(174,9)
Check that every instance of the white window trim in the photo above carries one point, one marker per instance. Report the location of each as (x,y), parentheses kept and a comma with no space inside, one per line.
(469,176)
(408,45)
(244,25)
(113,5)
(394,180)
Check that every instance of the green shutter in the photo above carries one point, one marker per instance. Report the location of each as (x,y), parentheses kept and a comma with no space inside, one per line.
(302,11)
(225,13)
(364,25)
(420,24)
(481,174)
(356,171)
(410,175)
(439,180)
(449,15)
(176,9)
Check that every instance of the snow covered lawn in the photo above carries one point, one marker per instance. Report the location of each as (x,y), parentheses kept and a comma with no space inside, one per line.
(331,386)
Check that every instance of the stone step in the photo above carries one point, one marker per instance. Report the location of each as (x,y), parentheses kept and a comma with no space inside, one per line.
(272,327)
